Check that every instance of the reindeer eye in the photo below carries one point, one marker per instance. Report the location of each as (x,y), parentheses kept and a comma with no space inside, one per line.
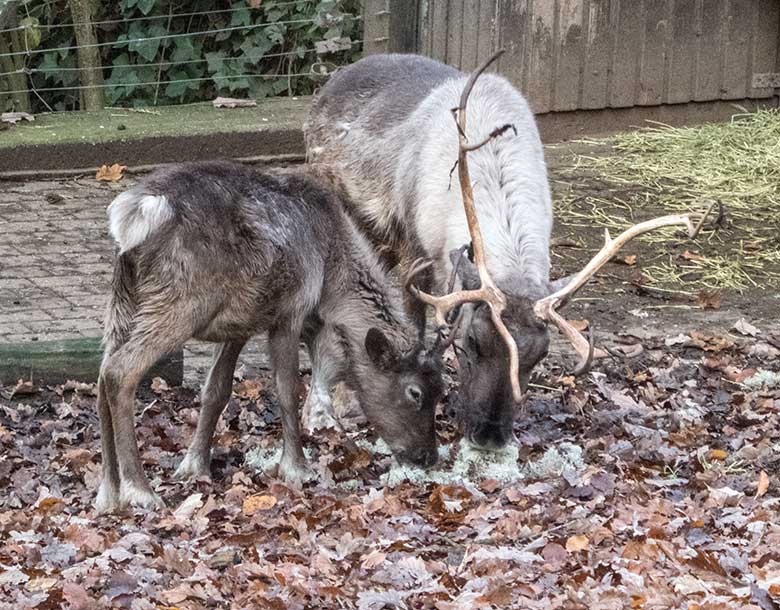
(414,394)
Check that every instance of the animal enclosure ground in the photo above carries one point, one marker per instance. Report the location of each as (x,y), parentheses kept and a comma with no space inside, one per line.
(675,503)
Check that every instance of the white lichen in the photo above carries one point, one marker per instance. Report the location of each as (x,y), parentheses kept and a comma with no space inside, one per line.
(468,468)
(763,378)
(567,457)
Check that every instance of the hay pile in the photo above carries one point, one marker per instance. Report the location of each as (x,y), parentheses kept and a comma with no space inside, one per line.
(664,170)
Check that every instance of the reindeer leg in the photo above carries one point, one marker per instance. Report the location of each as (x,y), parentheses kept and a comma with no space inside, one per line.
(152,338)
(283,344)
(213,399)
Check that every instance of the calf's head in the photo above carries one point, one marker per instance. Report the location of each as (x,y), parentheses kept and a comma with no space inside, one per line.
(399,390)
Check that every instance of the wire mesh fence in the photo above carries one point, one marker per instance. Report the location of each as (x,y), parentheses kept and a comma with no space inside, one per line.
(68,54)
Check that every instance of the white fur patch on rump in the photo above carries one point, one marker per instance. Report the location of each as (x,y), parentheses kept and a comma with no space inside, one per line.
(133,217)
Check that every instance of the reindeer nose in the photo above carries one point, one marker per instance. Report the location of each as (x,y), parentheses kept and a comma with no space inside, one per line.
(489,437)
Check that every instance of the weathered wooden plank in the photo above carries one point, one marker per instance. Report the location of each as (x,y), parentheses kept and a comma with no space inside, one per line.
(628,24)
(766,47)
(654,49)
(454,32)
(569,52)
(709,57)
(488,29)
(514,27)
(541,62)
(79,359)
(682,59)
(738,49)
(470,34)
(439,27)
(402,29)
(599,38)
(376,27)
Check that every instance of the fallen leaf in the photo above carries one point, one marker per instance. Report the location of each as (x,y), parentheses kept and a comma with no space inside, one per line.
(763,484)
(77,596)
(577,543)
(579,325)
(254,504)
(629,259)
(708,299)
(554,553)
(159,385)
(41,584)
(248,389)
(692,256)
(77,457)
(24,388)
(187,508)
(717,454)
(110,173)
(743,327)
(373,559)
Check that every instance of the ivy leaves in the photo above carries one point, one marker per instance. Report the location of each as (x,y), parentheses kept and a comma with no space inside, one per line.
(154,59)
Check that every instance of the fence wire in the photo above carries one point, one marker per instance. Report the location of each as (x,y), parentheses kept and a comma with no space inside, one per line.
(124,78)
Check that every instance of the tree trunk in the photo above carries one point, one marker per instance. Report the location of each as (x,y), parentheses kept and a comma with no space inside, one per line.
(17,80)
(89,55)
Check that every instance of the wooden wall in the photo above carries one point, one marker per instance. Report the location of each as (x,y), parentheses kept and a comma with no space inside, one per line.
(590,54)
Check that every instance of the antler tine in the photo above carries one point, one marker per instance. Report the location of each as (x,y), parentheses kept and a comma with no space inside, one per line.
(546,308)
(442,305)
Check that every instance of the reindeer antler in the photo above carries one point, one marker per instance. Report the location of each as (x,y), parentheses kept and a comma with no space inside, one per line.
(546,308)
(488,292)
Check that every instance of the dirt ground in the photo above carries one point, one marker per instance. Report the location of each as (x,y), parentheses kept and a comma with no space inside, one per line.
(670,499)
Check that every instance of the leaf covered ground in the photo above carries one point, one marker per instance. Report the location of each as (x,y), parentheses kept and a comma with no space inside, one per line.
(674,504)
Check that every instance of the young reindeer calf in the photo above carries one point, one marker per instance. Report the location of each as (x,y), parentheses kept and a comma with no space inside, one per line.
(218,252)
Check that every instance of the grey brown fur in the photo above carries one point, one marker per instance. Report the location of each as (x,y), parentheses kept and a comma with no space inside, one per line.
(218,252)
(385,125)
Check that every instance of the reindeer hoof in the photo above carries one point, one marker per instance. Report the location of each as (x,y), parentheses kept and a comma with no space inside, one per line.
(193,466)
(319,420)
(294,472)
(141,496)
(107,500)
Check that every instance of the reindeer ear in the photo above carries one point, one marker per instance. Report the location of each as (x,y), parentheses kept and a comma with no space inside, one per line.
(556,285)
(381,350)
(467,271)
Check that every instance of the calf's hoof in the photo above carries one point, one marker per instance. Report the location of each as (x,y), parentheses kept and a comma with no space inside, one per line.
(294,472)
(107,497)
(316,420)
(193,466)
(139,495)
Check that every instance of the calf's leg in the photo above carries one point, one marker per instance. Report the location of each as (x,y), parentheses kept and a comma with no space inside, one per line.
(214,397)
(283,346)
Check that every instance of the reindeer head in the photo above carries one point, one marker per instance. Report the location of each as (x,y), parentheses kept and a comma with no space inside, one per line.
(498,326)
(399,391)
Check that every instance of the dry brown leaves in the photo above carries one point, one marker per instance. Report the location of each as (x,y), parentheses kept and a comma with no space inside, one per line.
(676,506)
(110,173)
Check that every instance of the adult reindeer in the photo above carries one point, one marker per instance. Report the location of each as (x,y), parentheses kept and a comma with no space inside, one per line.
(385,123)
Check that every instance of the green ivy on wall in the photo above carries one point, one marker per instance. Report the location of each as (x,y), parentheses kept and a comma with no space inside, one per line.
(149,41)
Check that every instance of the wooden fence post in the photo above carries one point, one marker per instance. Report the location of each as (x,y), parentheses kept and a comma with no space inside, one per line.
(10,42)
(89,55)
(390,26)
